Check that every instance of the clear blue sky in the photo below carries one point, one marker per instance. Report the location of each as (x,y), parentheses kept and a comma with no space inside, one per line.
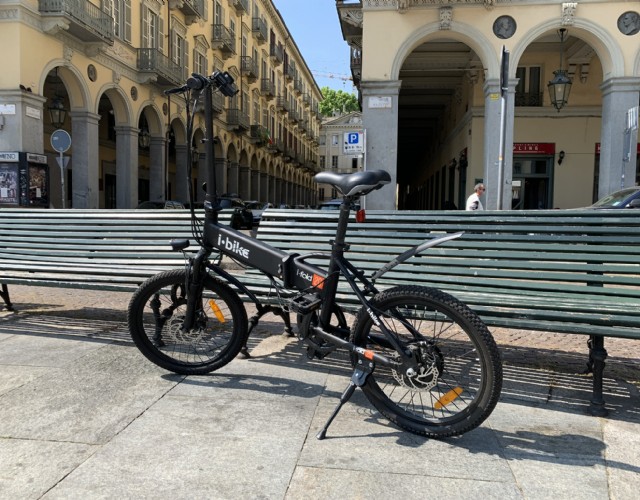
(315,27)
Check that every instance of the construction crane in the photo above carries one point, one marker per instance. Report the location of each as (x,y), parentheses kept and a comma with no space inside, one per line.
(337,76)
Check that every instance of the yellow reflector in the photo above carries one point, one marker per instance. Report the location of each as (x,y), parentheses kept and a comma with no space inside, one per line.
(216,310)
(448,398)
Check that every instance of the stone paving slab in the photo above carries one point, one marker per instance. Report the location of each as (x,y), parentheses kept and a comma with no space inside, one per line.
(84,415)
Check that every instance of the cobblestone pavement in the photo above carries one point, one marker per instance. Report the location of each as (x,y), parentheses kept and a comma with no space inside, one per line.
(558,352)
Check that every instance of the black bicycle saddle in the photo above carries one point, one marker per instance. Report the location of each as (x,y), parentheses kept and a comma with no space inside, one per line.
(357,184)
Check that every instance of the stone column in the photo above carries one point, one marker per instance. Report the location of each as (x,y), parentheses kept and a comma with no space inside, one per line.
(492,117)
(22,131)
(618,96)
(380,120)
(86,160)
(234,177)
(264,188)
(181,193)
(126,166)
(255,186)
(244,182)
(157,150)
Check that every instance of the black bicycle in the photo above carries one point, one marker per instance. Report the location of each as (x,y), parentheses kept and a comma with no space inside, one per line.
(421,357)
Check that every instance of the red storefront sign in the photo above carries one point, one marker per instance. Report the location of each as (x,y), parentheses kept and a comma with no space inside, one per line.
(598,148)
(534,148)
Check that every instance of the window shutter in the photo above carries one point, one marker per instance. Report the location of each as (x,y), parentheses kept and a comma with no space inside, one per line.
(144,27)
(127,21)
(186,58)
(160,34)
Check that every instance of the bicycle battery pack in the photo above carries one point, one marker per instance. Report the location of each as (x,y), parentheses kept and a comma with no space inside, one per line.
(268,259)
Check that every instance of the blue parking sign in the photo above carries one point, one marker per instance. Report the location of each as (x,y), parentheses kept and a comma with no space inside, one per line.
(353,142)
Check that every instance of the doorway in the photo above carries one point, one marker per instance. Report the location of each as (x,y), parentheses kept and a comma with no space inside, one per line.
(532,183)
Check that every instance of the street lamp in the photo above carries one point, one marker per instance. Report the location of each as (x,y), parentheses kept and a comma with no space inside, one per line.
(57,112)
(560,86)
(144,139)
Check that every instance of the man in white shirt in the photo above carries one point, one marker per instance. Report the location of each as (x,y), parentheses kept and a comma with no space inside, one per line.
(473,202)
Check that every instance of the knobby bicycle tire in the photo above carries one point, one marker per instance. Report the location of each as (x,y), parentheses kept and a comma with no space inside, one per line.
(460,376)
(156,312)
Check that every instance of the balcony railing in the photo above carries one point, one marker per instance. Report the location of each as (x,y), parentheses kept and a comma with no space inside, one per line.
(241,6)
(237,119)
(250,68)
(282,105)
(528,99)
(259,30)
(88,22)
(276,53)
(259,135)
(153,61)
(192,9)
(268,88)
(297,86)
(217,102)
(290,72)
(293,116)
(223,40)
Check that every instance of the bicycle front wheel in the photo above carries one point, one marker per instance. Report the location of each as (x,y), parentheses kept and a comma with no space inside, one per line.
(156,313)
(459,374)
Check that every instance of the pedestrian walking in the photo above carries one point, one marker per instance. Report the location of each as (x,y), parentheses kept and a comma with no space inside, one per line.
(473,202)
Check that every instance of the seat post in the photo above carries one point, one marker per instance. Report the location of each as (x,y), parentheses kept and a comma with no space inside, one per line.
(338,247)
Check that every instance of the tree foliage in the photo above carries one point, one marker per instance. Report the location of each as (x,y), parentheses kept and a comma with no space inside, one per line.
(337,101)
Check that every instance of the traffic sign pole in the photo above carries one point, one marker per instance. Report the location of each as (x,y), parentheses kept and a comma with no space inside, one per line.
(61,142)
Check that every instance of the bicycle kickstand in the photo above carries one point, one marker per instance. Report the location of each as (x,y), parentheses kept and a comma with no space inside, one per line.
(358,379)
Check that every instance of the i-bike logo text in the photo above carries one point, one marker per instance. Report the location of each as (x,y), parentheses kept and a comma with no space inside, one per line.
(233,246)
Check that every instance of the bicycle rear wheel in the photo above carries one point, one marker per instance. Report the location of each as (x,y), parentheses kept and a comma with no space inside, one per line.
(156,313)
(459,378)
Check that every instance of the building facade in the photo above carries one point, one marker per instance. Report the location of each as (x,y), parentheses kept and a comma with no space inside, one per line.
(93,72)
(336,153)
(441,113)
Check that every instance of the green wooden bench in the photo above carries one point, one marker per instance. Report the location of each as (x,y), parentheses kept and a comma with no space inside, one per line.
(91,249)
(561,271)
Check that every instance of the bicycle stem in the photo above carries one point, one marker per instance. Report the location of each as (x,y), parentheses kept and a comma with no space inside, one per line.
(195,287)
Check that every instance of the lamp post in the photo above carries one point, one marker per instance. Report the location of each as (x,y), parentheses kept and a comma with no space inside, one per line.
(560,86)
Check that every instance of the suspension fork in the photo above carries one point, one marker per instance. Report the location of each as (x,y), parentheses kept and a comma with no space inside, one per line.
(195,283)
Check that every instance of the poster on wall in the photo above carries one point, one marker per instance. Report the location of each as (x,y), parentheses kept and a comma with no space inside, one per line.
(8,184)
(38,192)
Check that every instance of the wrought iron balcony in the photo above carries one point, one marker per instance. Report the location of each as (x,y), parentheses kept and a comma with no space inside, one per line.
(276,53)
(217,102)
(237,119)
(259,30)
(250,68)
(268,88)
(192,9)
(165,70)
(293,116)
(282,105)
(290,72)
(223,40)
(241,6)
(297,86)
(82,19)
(259,135)
(528,99)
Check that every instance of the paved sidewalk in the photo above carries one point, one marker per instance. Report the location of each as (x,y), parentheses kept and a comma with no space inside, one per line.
(84,415)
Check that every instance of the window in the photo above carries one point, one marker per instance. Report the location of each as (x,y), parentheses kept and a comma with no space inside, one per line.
(334,162)
(334,140)
(528,91)
(120,12)
(152,30)
(200,63)
(179,46)
(323,161)
(354,163)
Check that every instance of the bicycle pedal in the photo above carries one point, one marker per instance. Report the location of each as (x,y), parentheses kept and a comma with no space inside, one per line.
(305,304)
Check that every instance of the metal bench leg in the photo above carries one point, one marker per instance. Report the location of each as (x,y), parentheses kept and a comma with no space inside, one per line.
(5,296)
(597,355)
